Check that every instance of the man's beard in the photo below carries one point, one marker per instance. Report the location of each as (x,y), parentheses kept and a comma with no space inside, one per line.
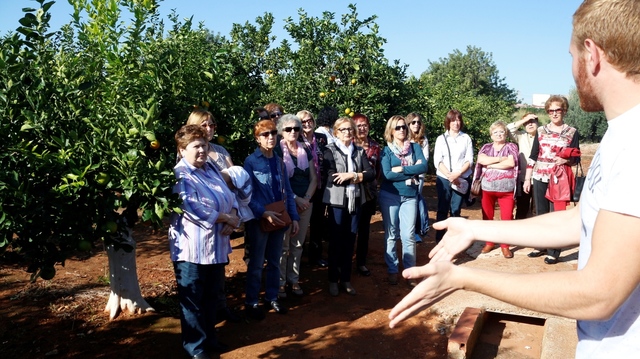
(588,99)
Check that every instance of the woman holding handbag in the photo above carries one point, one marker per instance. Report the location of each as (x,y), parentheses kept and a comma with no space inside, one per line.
(550,140)
(346,170)
(497,166)
(452,157)
(265,233)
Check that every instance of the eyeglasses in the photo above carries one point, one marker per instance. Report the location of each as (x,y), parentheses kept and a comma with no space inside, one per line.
(276,114)
(362,125)
(498,132)
(346,129)
(266,134)
(416,122)
(306,121)
(553,111)
(265,117)
(403,128)
(289,129)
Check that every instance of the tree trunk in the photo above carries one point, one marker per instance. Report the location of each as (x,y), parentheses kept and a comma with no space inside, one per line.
(123,278)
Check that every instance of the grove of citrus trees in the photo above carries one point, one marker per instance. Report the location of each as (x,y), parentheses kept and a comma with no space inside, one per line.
(88,113)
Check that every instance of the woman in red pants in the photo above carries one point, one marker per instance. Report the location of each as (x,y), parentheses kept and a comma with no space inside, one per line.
(497,166)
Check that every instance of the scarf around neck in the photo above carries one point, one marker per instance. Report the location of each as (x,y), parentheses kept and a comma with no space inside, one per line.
(301,156)
(351,167)
(405,154)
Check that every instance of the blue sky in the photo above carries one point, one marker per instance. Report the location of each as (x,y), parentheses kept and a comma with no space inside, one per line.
(529,40)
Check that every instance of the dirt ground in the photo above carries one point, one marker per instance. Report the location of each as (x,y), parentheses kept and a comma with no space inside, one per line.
(64,318)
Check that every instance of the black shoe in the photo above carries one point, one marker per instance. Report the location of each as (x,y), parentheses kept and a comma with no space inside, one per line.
(471,202)
(229,315)
(551,260)
(277,307)
(537,253)
(254,312)
(321,263)
(364,271)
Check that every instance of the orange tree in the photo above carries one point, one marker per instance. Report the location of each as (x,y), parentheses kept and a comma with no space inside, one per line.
(88,114)
(340,64)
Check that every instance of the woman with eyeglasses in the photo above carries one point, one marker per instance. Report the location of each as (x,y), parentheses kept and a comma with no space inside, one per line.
(316,143)
(346,170)
(402,162)
(497,166)
(270,184)
(301,171)
(551,139)
(372,150)
(452,157)
(417,135)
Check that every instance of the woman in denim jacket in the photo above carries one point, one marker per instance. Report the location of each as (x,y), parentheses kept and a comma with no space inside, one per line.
(270,184)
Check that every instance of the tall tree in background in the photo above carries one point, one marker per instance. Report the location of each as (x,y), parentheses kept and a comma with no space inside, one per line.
(469,82)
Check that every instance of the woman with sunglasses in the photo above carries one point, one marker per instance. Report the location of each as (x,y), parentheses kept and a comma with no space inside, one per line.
(452,157)
(270,184)
(402,162)
(551,139)
(275,111)
(301,171)
(417,135)
(346,170)
(316,143)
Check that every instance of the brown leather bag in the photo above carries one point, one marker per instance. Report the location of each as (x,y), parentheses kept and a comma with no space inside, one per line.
(278,207)
(476,187)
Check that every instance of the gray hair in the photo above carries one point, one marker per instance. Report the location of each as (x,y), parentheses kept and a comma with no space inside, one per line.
(285,119)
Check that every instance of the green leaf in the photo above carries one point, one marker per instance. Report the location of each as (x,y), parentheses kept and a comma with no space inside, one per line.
(26,127)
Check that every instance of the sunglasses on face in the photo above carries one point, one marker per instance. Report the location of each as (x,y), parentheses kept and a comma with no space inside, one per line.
(555,111)
(403,128)
(416,123)
(276,114)
(265,117)
(532,121)
(210,125)
(307,121)
(289,129)
(267,133)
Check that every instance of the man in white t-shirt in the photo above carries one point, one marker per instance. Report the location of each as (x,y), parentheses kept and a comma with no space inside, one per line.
(603,294)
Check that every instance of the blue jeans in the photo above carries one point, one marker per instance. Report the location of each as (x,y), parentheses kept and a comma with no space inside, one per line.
(198,287)
(398,218)
(264,245)
(449,202)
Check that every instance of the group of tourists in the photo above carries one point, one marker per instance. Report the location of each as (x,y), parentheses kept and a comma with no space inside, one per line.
(329,174)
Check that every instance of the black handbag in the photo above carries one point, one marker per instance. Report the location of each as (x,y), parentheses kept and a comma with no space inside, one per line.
(580,178)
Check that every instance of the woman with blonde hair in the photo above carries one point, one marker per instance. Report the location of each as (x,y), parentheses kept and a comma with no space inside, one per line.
(497,166)
(346,169)
(402,162)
